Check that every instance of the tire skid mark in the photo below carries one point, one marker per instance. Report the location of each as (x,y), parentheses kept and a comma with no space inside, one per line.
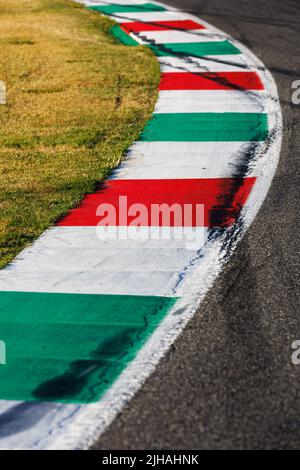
(76,426)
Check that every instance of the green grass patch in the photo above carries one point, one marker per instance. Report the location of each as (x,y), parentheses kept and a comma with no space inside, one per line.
(76,99)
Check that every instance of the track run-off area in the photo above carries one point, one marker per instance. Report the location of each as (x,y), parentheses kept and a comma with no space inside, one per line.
(87,311)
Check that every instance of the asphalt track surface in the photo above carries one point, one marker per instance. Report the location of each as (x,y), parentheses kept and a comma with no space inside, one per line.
(228,382)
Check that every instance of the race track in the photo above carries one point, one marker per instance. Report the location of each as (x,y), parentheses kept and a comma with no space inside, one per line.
(228,381)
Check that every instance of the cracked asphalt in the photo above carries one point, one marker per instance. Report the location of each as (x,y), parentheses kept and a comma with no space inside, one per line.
(228,382)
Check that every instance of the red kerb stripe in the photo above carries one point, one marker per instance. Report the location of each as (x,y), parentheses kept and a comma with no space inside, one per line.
(211,81)
(223,199)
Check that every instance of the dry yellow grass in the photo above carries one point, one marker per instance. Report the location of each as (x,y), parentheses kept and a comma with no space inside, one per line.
(76,99)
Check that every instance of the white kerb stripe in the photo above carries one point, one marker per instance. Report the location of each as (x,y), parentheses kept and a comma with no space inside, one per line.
(211,101)
(150,16)
(172,160)
(214,63)
(89,3)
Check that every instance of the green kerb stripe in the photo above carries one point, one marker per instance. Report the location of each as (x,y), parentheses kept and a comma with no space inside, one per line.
(71,347)
(206,127)
(124,38)
(195,49)
(116,8)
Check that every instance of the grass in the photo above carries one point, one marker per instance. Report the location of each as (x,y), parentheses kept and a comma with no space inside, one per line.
(76,99)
